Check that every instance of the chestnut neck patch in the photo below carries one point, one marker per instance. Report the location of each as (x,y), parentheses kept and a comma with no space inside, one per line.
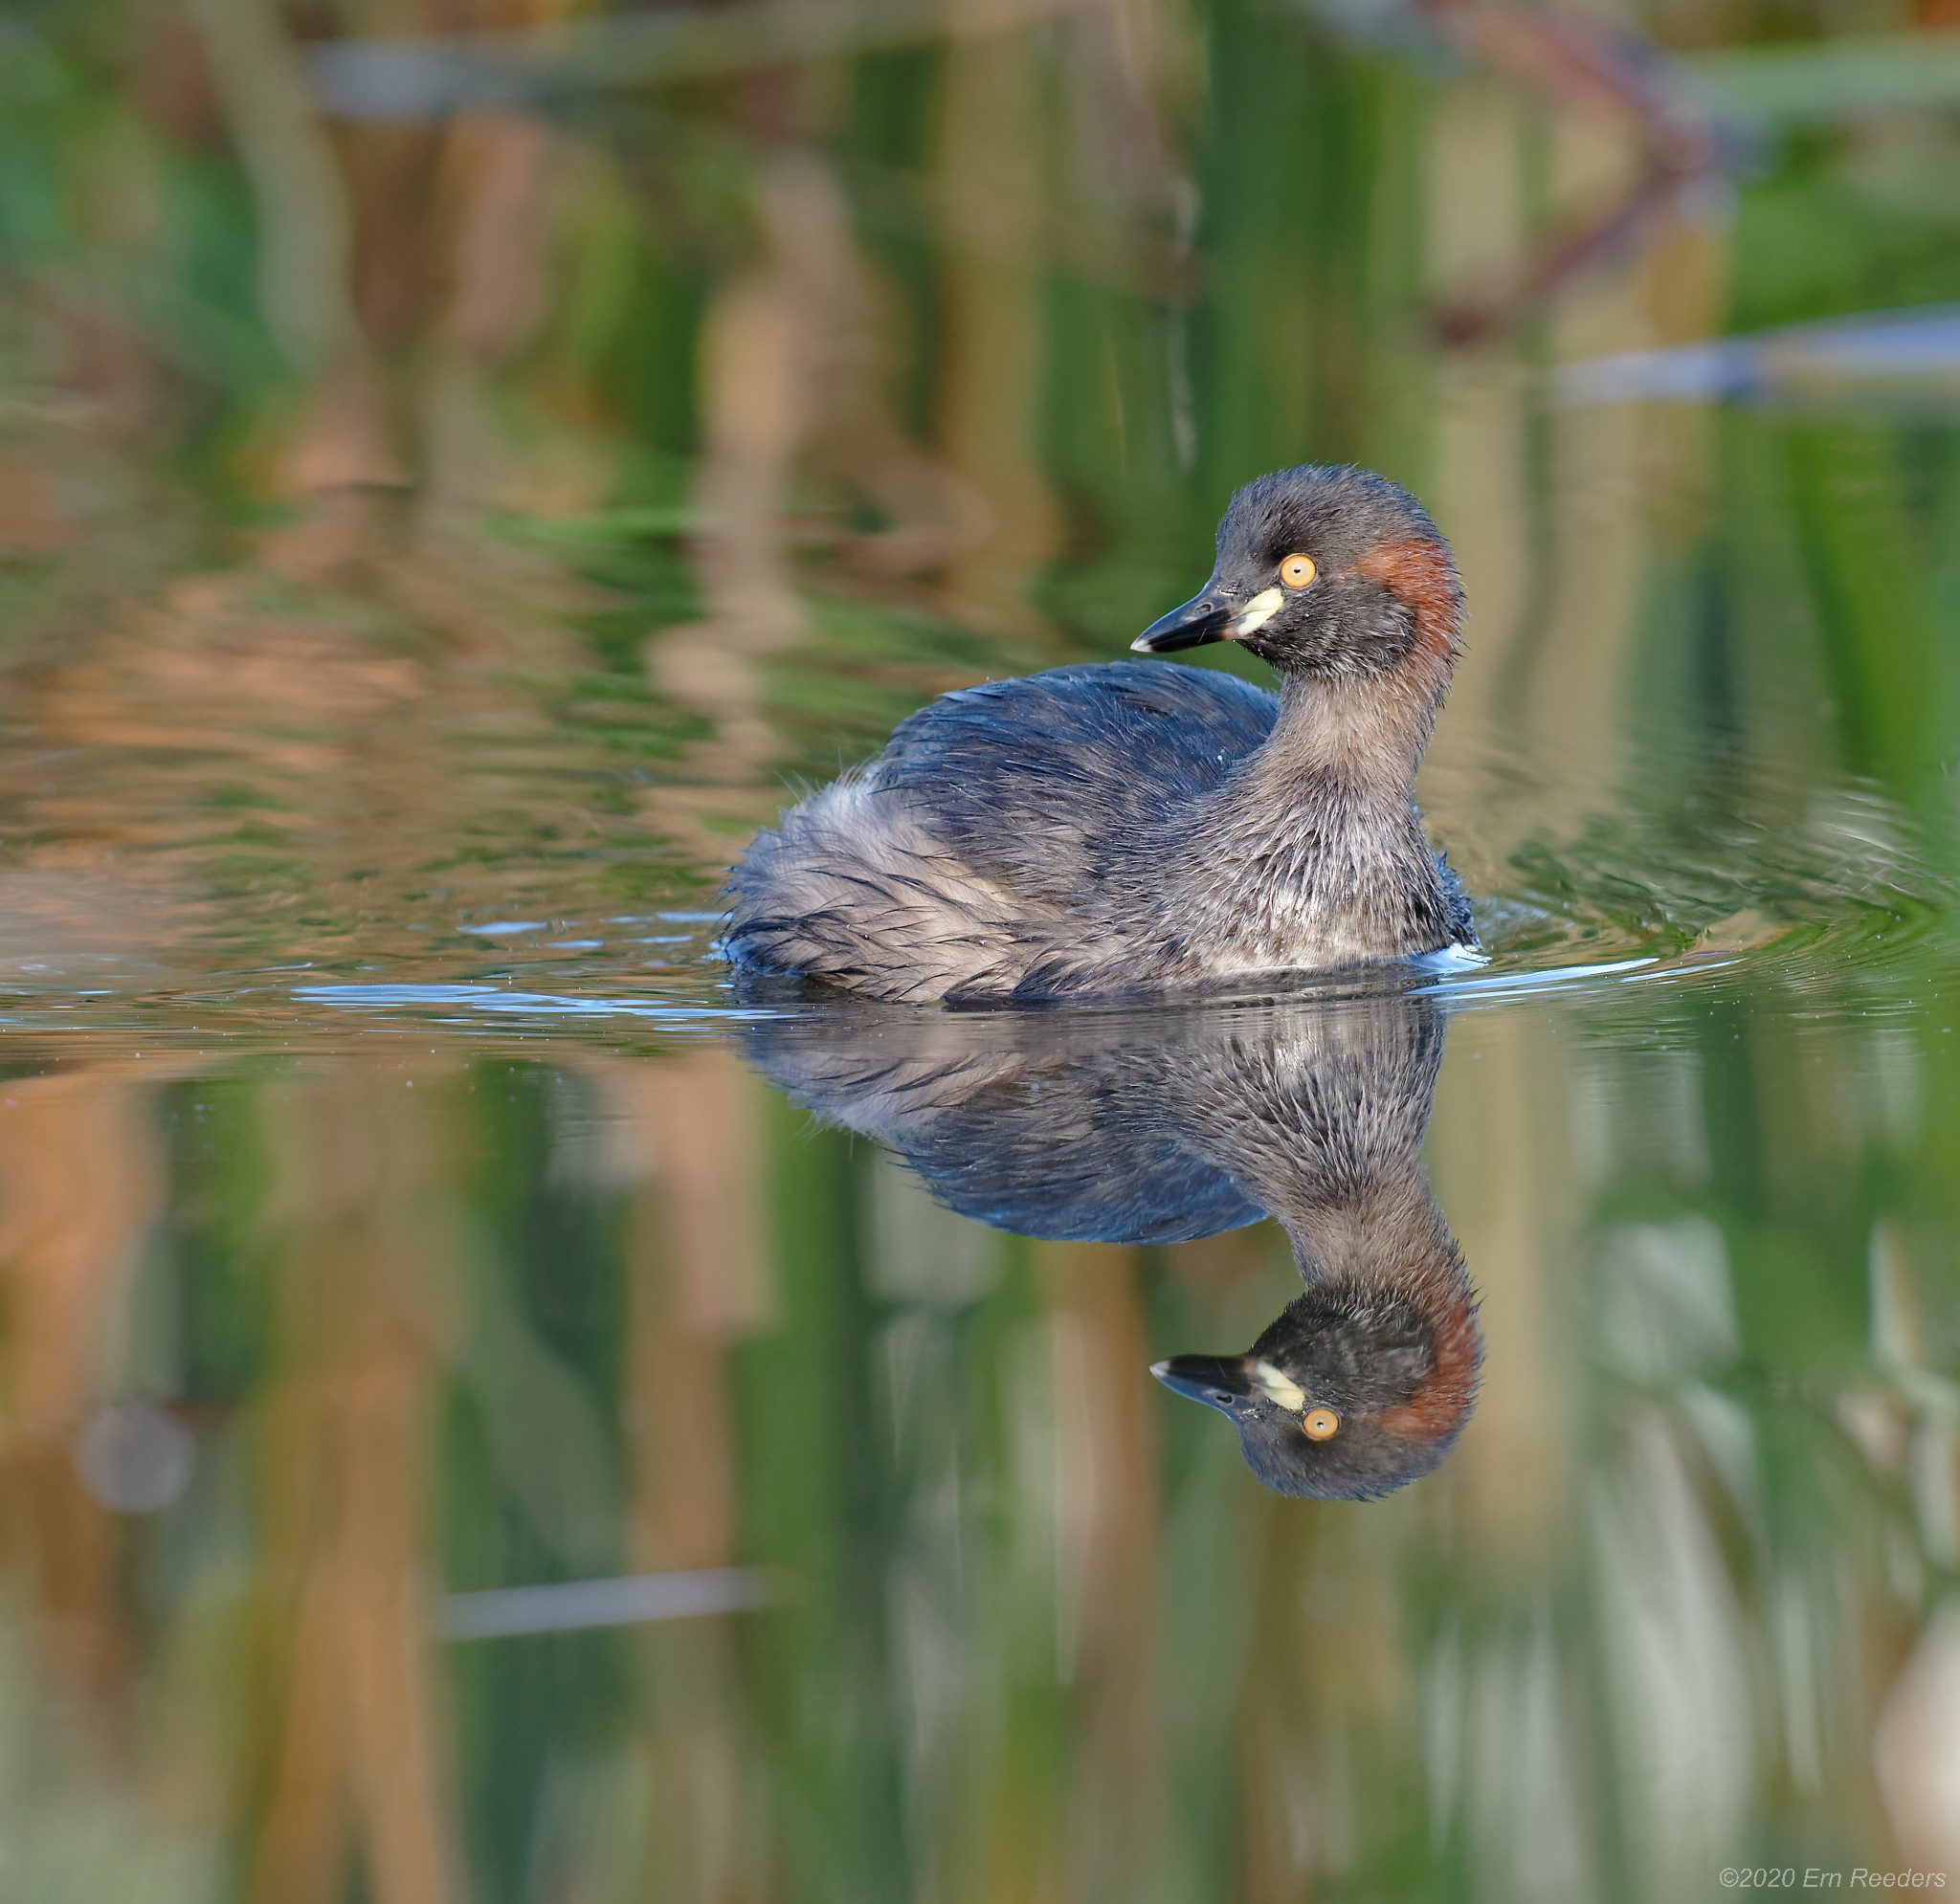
(1420,575)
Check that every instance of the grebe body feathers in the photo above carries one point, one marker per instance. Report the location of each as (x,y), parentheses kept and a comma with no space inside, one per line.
(1141,827)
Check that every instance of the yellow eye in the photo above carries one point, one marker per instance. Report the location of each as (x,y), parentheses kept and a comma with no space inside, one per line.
(1296,571)
(1320,1423)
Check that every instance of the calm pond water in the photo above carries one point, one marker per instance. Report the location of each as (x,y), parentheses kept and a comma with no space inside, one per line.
(489,1412)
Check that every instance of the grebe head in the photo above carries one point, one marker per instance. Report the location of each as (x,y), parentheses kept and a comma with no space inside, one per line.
(1328,571)
(1355,1390)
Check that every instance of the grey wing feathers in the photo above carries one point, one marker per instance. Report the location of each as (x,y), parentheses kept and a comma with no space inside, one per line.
(947,866)
(1462,927)
(851,889)
(1028,778)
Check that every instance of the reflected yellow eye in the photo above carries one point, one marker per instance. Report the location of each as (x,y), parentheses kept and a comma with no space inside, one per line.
(1296,571)
(1320,1423)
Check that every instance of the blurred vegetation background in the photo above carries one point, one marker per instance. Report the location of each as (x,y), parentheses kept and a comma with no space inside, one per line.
(458,458)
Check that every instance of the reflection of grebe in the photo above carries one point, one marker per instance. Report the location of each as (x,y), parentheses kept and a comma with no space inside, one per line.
(1142,828)
(1180,1125)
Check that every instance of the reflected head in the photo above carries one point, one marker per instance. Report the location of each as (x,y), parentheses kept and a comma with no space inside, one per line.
(1351,1393)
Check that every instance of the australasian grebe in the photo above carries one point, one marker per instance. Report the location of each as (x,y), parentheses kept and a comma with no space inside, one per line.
(1311,1111)
(1129,826)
